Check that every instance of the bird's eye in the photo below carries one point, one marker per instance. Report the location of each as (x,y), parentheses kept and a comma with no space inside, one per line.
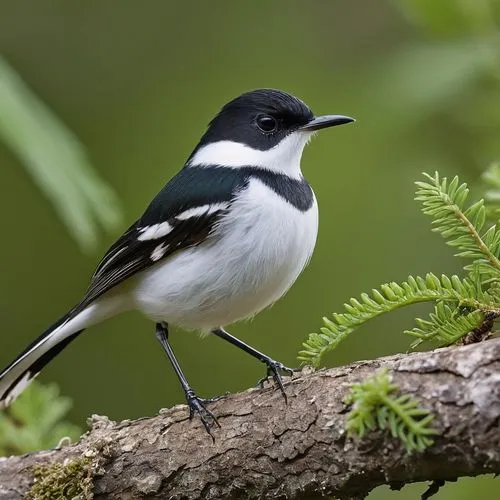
(267,123)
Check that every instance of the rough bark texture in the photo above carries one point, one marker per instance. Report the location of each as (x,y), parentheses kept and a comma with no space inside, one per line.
(266,449)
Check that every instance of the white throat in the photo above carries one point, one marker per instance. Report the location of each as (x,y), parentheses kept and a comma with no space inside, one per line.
(283,158)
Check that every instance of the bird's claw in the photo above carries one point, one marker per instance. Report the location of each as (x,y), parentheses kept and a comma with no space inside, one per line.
(273,370)
(197,405)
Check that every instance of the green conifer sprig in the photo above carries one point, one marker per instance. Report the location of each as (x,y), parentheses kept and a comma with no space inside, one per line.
(391,296)
(461,228)
(461,304)
(446,325)
(374,405)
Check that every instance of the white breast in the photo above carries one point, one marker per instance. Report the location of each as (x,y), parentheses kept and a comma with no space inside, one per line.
(254,256)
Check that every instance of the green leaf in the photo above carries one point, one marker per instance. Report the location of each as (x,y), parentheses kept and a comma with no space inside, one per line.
(56,161)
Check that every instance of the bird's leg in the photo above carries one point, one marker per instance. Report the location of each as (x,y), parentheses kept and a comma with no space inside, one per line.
(273,367)
(194,403)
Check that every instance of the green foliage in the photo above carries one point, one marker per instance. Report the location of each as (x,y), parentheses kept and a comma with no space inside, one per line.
(390,297)
(461,304)
(56,160)
(374,405)
(446,325)
(461,228)
(451,17)
(35,421)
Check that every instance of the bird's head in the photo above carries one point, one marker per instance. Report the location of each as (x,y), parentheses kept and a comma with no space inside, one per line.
(264,128)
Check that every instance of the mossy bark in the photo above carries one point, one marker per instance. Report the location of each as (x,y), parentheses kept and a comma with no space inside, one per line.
(266,449)
(71,479)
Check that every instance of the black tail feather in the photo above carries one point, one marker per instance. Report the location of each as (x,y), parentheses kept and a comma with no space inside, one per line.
(34,369)
(22,371)
(28,348)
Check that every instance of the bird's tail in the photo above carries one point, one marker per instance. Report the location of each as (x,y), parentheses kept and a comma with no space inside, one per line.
(17,376)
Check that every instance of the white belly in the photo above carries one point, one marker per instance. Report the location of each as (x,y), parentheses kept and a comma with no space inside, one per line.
(252,259)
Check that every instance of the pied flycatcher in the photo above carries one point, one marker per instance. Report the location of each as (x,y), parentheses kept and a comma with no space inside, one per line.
(225,238)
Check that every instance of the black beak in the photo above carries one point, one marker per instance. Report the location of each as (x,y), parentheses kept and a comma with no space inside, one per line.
(326,121)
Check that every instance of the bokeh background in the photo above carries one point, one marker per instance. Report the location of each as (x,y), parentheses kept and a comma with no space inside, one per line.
(137,82)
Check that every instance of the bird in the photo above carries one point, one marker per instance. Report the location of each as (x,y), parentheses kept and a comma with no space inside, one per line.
(225,238)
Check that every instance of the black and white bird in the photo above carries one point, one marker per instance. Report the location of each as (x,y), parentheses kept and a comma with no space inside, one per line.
(225,238)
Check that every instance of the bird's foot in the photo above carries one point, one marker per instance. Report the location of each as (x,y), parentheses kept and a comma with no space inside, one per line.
(273,371)
(197,405)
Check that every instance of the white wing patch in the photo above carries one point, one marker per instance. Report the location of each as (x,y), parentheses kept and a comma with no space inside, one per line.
(144,245)
(159,252)
(202,210)
(154,232)
(157,231)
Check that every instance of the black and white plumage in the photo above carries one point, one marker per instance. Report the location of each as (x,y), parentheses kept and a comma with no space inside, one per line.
(225,238)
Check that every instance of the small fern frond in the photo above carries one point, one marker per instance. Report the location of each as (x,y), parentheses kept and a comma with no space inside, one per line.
(446,325)
(374,405)
(390,297)
(461,228)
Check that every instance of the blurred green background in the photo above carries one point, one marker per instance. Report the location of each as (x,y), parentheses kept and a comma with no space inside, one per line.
(137,82)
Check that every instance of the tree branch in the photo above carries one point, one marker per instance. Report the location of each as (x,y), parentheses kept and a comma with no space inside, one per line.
(268,450)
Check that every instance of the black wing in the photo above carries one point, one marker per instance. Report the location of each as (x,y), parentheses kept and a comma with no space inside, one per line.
(130,254)
(183,214)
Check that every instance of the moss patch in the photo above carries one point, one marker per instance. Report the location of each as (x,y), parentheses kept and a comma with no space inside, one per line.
(60,481)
